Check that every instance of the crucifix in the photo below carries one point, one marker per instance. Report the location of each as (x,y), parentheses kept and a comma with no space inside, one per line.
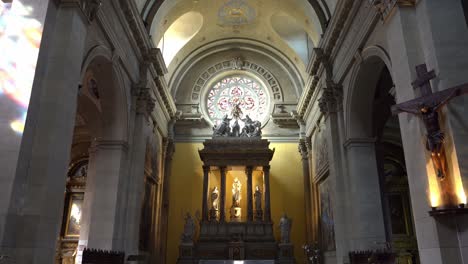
(427,107)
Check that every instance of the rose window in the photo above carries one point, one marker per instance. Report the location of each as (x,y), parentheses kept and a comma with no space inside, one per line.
(228,92)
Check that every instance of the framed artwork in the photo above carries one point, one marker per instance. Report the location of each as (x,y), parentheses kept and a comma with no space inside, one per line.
(74,214)
(327,221)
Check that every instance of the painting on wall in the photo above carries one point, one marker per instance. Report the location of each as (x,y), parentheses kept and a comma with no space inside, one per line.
(74,215)
(327,223)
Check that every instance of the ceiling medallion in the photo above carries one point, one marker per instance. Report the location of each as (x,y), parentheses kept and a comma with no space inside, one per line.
(236,12)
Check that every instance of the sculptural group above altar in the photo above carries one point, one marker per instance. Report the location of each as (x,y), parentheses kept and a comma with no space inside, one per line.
(230,127)
(236,221)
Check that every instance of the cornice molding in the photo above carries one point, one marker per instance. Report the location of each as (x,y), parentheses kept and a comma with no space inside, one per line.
(150,55)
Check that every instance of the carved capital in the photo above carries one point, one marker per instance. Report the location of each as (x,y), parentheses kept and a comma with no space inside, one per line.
(385,7)
(331,100)
(303,149)
(89,8)
(144,102)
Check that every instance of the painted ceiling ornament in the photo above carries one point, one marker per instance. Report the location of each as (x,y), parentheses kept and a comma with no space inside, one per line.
(236,12)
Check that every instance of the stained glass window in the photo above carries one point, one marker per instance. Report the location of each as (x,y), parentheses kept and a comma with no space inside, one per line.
(248,93)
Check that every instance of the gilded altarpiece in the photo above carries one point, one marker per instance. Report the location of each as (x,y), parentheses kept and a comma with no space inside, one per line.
(72,214)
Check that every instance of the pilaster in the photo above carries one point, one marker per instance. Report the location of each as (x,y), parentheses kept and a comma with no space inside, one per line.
(32,222)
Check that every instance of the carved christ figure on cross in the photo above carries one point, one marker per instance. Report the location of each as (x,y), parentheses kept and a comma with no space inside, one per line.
(428,107)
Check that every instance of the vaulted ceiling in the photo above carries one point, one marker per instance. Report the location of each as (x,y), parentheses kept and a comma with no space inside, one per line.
(179,27)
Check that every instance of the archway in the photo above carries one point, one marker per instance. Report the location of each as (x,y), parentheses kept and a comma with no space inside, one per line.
(374,133)
(97,163)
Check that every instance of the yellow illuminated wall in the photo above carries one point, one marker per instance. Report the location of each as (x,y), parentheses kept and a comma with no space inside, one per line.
(287,192)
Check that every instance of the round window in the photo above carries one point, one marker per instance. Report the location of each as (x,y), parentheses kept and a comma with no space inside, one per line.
(244,91)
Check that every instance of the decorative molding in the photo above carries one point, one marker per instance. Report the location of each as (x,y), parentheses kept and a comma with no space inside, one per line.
(331,100)
(149,54)
(236,64)
(328,44)
(303,149)
(386,7)
(284,115)
(155,57)
(90,8)
(145,103)
(359,142)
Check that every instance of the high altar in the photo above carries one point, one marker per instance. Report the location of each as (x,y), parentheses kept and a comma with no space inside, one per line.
(236,220)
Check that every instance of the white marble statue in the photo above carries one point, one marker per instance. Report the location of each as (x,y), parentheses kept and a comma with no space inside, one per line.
(189,229)
(285,227)
(236,192)
(215,199)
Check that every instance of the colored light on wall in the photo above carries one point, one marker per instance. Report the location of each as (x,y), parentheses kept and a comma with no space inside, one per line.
(20,38)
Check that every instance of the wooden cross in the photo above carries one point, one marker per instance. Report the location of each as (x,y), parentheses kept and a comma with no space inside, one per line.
(427,107)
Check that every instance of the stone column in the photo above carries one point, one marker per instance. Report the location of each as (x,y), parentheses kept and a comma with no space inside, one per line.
(102,209)
(142,108)
(222,212)
(331,106)
(29,225)
(169,152)
(266,177)
(248,172)
(420,35)
(366,216)
(206,172)
(303,150)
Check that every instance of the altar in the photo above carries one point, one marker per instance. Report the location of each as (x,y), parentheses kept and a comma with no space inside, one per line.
(235,222)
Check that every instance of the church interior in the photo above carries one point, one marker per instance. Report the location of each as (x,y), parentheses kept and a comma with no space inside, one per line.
(234,131)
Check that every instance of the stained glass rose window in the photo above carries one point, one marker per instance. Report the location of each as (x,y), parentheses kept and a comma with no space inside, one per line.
(249,94)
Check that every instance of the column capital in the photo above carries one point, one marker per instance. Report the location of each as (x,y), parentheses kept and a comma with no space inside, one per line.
(206,168)
(331,100)
(145,103)
(266,168)
(248,169)
(89,8)
(303,148)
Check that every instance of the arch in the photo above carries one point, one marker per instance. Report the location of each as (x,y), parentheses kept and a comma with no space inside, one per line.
(239,45)
(247,66)
(360,96)
(110,118)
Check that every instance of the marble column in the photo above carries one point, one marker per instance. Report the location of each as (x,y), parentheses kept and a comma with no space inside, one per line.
(303,150)
(206,174)
(142,107)
(266,178)
(248,172)
(222,212)
(366,216)
(102,207)
(30,226)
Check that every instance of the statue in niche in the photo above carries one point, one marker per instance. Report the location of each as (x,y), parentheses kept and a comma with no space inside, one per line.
(189,229)
(258,204)
(258,198)
(236,192)
(285,228)
(215,199)
(223,129)
(236,197)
